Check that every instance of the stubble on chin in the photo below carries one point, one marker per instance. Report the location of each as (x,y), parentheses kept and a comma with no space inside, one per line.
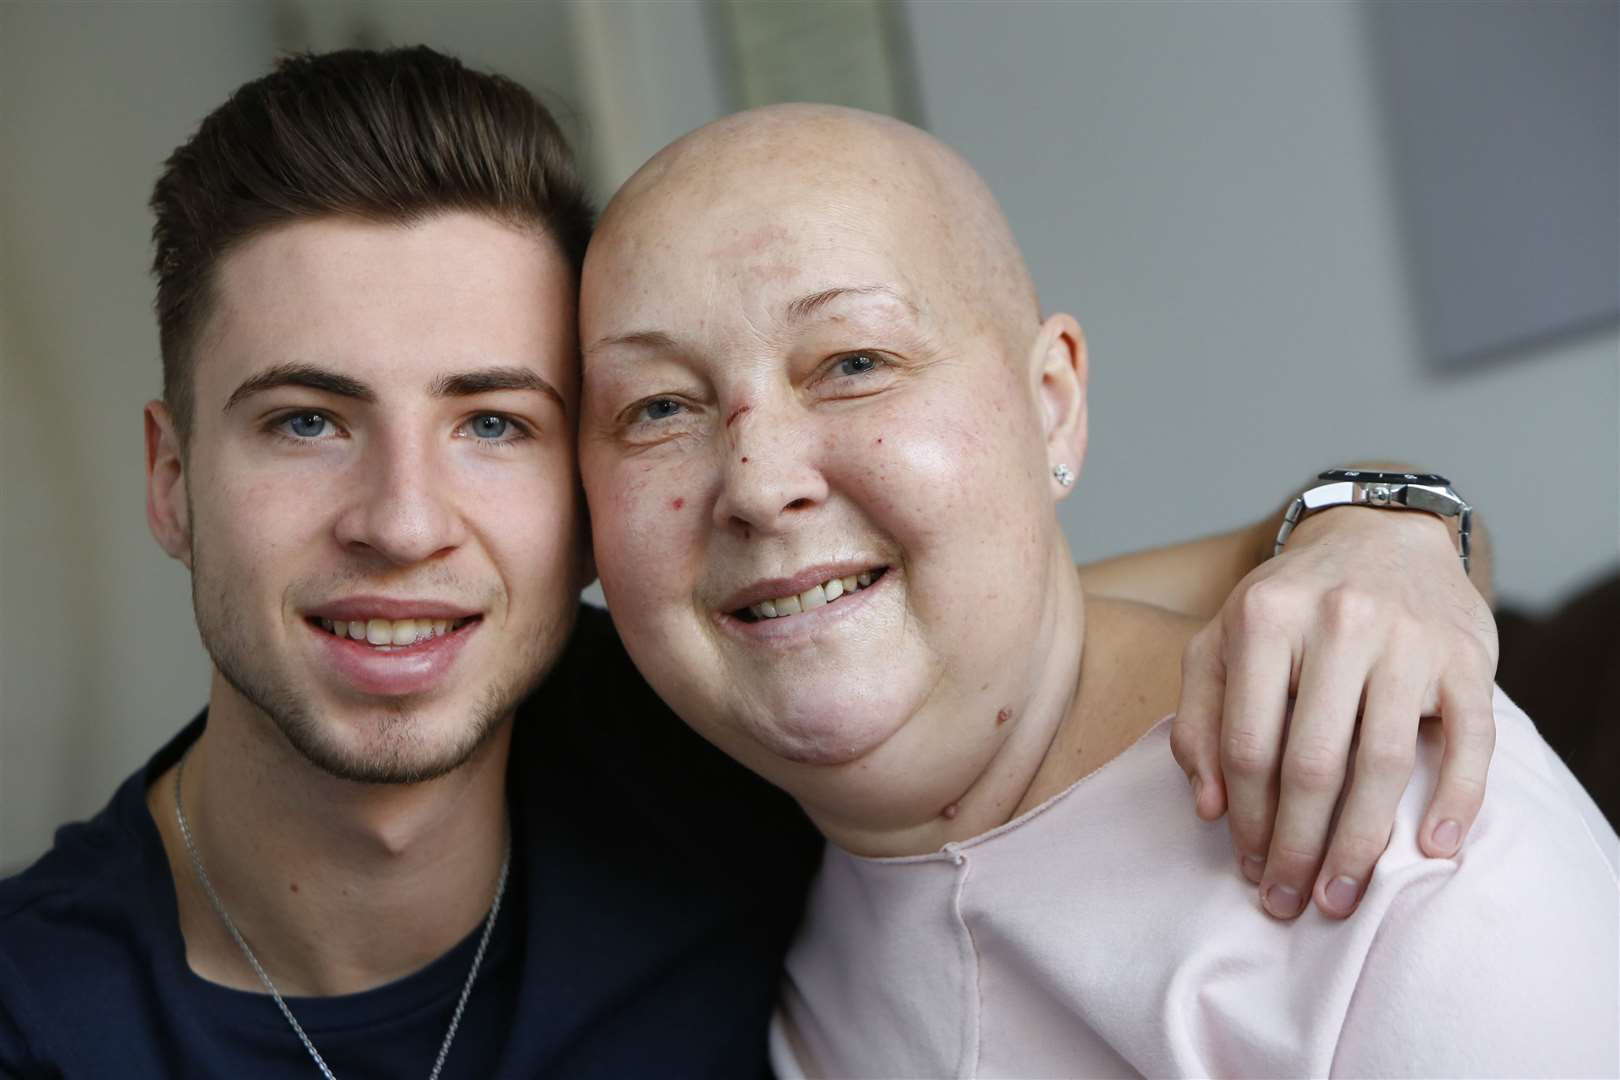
(395,748)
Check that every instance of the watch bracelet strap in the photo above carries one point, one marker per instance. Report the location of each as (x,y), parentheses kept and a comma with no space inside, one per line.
(1296,512)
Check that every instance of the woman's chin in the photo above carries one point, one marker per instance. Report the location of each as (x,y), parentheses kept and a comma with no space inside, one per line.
(825,734)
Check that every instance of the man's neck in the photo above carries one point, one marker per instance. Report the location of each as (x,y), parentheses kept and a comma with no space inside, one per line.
(338,886)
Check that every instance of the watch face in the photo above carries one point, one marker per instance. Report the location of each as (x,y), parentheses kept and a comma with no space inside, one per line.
(1374,476)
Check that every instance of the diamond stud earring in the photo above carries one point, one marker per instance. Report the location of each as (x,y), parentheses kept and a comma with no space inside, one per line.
(1063,475)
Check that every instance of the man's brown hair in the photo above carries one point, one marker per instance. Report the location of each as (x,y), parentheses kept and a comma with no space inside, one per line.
(389,136)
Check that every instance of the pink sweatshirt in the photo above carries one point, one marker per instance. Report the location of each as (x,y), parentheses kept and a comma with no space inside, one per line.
(1108,932)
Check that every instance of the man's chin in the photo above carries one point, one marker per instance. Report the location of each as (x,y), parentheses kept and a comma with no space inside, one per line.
(394,746)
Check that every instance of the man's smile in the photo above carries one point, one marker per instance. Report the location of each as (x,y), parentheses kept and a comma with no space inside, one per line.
(390,647)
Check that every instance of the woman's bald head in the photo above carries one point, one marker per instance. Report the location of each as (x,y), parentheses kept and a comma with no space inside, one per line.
(800,162)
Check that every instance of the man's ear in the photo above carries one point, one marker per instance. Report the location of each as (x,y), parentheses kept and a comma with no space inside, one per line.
(167,513)
(1059,364)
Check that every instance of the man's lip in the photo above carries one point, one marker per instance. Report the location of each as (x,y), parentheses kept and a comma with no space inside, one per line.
(772,588)
(355,608)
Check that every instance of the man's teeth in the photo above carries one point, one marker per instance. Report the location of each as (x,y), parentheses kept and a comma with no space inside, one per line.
(813,597)
(390,632)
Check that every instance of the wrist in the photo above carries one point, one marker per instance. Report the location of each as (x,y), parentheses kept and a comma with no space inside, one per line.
(1415,528)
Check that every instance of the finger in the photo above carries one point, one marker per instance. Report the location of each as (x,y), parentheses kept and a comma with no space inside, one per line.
(1470,728)
(1312,775)
(1383,758)
(1195,732)
(1257,676)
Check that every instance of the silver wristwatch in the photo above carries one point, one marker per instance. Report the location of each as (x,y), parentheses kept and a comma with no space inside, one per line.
(1389,490)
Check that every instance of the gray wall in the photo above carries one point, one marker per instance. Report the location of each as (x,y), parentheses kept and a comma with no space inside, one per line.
(1205,186)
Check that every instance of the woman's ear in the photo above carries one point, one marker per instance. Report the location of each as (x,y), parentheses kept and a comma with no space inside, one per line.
(1060,366)
(167,512)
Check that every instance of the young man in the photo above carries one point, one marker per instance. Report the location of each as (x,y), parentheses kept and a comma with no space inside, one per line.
(368,857)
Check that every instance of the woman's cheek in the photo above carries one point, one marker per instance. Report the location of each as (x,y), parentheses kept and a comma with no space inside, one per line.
(932,458)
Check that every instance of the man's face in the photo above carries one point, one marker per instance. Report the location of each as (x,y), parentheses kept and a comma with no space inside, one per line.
(785,402)
(385,535)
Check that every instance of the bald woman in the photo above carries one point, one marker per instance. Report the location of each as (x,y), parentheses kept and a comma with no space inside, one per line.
(825,428)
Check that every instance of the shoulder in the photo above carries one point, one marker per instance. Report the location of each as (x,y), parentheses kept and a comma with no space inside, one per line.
(77,929)
(1509,947)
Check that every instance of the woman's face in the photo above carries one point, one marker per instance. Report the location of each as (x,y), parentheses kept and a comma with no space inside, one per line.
(780,405)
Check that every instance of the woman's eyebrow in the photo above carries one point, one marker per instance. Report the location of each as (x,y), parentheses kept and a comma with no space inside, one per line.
(649,339)
(805,306)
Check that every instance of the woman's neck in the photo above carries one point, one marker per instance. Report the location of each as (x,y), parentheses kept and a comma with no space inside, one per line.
(961,765)
(1111,671)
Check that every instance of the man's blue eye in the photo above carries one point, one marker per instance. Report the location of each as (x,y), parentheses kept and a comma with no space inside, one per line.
(662,409)
(307,425)
(858,364)
(490,426)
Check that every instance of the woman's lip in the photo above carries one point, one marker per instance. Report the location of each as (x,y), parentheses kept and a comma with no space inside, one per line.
(788,628)
(777,588)
(397,671)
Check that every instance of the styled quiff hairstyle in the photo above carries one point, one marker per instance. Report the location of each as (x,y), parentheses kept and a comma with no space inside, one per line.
(390,136)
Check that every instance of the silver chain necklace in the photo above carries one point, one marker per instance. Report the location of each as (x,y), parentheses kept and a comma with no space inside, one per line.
(264,977)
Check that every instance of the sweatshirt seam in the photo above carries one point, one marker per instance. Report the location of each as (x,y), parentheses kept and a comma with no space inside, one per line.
(968,1052)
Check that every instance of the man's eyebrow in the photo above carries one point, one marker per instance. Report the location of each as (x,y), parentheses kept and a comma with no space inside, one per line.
(488,380)
(306,375)
(809,304)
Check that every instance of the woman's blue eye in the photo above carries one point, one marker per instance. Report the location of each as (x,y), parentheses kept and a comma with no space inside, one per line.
(490,426)
(662,409)
(858,364)
(307,425)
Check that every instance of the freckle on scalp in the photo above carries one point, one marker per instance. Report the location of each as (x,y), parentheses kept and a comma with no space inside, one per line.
(1003,716)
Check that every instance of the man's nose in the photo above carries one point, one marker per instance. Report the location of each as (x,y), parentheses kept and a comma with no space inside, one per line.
(771,475)
(404,508)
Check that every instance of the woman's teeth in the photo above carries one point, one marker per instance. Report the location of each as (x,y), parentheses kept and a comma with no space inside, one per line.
(815,596)
(392,632)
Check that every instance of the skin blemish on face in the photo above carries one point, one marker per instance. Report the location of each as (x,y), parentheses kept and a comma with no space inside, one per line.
(292,886)
(677,504)
(751,243)
(738,411)
(745,461)
(1003,716)
(949,812)
(879,442)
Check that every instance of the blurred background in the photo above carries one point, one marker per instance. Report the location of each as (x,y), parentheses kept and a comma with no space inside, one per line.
(1295,233)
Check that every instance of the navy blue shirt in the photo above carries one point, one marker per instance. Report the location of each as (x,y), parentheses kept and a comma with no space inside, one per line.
(654,888)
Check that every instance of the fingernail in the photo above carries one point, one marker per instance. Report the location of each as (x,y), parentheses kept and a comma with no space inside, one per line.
(1253,867)
(1283,901)
(1447,835)
(1341,894)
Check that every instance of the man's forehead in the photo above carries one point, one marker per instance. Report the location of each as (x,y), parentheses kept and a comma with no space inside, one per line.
(399,307)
